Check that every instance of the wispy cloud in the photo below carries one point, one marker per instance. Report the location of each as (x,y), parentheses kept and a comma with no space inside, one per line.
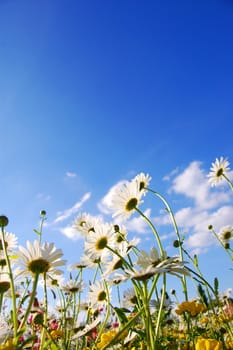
(138,224)
(70,174)
(43,196)
(61,216)
(70,233)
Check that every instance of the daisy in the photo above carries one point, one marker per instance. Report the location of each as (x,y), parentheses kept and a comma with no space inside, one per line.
(73,287)
(145,259)
(98,295)
(85,223)
(4,281)
(125,199)
(92,261)
(129,298)
(97,241)
(117,262)
(218,170)
(37,259)
(226,233)
(143,181)
(10,240)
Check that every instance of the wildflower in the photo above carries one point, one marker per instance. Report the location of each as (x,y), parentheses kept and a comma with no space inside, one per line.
(125,199)
(117,262)
(9,345)
(100,239)
(10,241)
(86,223)
(129,298)
(98,295)
(87,329)
(142,181)
(72,287)
(57,334)
(106,338)
(37,259)
(192,307)
(208,344)
(226,233)
(218,170)
(4,281)
(171,265)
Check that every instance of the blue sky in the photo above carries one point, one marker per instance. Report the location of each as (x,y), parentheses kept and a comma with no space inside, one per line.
(94,92)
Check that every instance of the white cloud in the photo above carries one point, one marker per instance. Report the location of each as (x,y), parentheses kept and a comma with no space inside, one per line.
(105,202)
(193,183)
(171,174)
(71,233)
(210,207)
(70,174)
(61,216)
(138,224)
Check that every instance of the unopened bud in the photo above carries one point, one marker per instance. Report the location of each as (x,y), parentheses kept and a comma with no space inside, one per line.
(3,221)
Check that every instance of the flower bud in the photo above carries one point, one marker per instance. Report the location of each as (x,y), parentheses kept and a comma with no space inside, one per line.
(42,213)
(3,220)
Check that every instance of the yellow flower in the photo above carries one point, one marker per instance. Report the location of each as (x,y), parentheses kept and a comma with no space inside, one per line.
(192,307)
(8,345)
(56,334)
(208,344)
(106,338)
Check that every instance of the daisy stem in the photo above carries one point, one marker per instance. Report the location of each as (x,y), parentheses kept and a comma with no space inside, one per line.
(160,307)
(148,321)
(45,314)
(15,321)
(107,312)
(170,212)
(228,181)
(32,298)
(154,231)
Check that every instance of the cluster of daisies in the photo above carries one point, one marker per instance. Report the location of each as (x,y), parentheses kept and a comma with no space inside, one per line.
(144,315)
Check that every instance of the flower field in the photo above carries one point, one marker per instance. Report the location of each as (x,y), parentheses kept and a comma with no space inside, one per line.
(145,316)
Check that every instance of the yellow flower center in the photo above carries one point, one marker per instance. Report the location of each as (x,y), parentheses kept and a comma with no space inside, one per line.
(38,266)
(131,204)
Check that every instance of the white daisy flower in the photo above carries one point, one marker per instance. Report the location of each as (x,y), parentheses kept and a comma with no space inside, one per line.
(145,259)
(217,171)
(4,281)
(85,223)
(73,287)
(98,295)
(125,199)
(87,329)
(129,298)
(40,259)
(226,233)
(99,240)
(143,181)
(121,252)
(10,241)
(93,262)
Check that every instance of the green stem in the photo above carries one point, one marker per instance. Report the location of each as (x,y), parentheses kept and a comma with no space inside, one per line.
(15,321)
(32,298)
(173,220)
(160,308)
(228,181)
(153,230)
(45,314)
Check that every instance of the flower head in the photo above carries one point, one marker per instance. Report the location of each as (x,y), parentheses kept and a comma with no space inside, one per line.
(226,233)
(98,295)
(217,171)
(142,181)
(40,259)
(98,240)
(125,199)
